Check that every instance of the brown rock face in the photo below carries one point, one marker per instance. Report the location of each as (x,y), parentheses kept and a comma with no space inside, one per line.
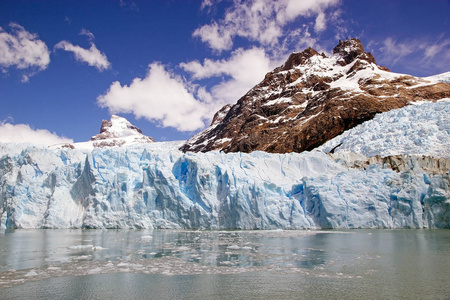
(310,100)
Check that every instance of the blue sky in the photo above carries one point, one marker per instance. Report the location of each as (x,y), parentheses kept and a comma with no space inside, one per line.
(168,66)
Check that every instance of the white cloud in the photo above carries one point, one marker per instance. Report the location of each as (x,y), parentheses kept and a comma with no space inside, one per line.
(92,56)
(23,133)
(87,33)
(395,49)
(261,21)
(431,53)
(217,38)
(298,39)
(244,69)
(433,49)
(22,50)
(320,24)
(159,97)
(207,4)
(291,9)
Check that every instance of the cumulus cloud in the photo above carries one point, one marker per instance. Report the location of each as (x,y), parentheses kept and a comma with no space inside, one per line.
(22,50)
(244,69)
(92,56)
(261,21)
(218,38)
(23,133)
(160,97)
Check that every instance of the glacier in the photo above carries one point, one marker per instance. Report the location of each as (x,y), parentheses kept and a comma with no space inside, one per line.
(421,129)
(157,186)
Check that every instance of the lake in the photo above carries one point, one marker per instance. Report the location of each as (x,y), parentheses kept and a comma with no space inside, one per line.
(180,264)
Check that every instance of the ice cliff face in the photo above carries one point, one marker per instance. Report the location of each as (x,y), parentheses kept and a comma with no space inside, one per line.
(157,186)
(147,187)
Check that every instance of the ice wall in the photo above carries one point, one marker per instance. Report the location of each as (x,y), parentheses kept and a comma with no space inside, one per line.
(157,186)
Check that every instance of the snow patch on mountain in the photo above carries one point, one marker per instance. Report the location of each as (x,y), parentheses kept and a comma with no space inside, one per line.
(444,77)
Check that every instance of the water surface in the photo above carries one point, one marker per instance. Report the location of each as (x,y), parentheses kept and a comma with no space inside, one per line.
(171,264)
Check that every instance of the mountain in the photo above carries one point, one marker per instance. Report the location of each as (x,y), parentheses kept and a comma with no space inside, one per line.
(311,99)
(118,131)
(155,185)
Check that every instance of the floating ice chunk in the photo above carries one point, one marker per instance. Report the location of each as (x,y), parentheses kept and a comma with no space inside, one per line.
(95,271)
(234,247)
(183,248)
(123,265)
(81,247)
(82,257)
(31,273)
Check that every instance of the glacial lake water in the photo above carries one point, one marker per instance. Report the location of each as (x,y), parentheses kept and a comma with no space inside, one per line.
(177,264)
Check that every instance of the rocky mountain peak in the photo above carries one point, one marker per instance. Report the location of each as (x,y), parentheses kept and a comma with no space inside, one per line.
(298,58)
(351,49)
(311,99)
(116,127)
(118,131)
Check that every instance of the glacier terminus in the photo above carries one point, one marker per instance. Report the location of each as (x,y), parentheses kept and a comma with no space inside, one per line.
(155,185)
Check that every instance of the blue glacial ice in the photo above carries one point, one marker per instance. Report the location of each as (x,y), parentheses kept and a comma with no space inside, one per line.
(157,186)
(402,183)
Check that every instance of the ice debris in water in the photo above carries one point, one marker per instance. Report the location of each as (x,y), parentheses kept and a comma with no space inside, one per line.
(210,254)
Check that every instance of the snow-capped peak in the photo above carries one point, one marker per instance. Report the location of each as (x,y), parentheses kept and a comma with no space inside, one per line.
(117,131)
(116,127)
(351,49)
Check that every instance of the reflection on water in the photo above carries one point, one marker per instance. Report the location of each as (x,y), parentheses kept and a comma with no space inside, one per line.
(369,263)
